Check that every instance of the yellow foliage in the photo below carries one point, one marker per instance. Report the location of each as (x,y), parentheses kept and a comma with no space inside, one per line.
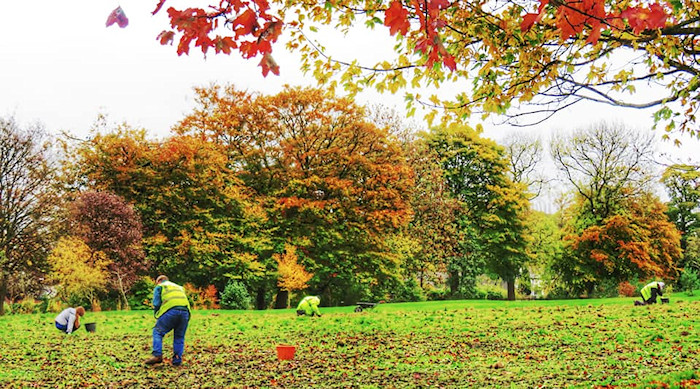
(292,275)
(76,269)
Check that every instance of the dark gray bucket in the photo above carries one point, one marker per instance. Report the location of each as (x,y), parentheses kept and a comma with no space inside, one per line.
(90,327)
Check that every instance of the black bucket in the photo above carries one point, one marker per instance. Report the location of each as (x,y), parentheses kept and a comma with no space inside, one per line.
(90,327)
(665,301)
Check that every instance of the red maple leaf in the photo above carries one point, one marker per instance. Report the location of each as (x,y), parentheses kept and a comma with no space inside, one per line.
(166,37)
(531,18)
(249,49)
(268,64)
(528,21)
(640,18)
(396,18)
(224,45)
(118,16)
(247,21)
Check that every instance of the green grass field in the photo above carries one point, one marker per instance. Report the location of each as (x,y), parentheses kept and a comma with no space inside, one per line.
(443,344)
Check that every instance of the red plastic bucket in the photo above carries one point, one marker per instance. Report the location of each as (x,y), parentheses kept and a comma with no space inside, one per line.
(285,352)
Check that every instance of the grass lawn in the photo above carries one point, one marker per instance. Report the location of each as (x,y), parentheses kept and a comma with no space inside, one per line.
(441,344)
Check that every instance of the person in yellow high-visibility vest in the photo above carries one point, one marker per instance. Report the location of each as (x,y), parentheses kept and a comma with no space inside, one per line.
(309,306)
(650,292)
(172,311)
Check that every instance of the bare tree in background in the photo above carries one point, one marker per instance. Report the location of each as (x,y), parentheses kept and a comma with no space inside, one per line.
(28,201)
(605,163)
(525,155)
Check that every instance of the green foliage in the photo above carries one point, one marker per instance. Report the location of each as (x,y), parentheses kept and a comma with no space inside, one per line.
(606,288)
(26,305)
(489,289)
(493,211)
(689,281)
(141,295)
(235,296)
(408,291)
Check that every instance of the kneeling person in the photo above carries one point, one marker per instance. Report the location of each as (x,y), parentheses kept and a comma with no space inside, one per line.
(309,306)
(69,319)
(650,292)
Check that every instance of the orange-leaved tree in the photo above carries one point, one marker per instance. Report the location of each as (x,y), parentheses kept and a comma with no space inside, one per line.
(637,242)
(334,184)
(199,222)
(529,58)
(292,275)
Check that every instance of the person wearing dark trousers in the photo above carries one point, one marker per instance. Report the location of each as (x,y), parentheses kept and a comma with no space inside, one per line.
(172,313)
(650,292)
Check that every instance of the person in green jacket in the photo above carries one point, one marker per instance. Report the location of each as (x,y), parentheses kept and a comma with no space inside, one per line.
(172,311)
(650,292)
(309,306)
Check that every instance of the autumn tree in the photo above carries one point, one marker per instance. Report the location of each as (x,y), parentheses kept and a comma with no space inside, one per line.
(682,184)
(604,164)
(77,270)
(636,242)
(333,183)
(545,248)
(435,224)
(526,60)
(493,207)
(28,202)
(106,223)
(291,275)
(199,222)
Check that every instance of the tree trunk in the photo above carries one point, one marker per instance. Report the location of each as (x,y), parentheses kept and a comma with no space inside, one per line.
(511,290)
(260,299)
(282,299)
(454,282)
(125,302)
(3,293)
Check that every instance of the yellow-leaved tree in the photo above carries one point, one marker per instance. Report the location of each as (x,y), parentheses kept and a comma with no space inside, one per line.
(291,275)
(77,271)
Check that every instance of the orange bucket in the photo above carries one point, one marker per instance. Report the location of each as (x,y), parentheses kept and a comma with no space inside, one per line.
(285,352)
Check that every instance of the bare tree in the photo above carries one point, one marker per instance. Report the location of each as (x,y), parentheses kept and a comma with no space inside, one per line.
(525,154)
(27,202)
(605,163)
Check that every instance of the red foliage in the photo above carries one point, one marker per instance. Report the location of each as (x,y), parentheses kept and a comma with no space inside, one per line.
(572,17)
(626,289)
(396,18)
(202,298)
(641,18)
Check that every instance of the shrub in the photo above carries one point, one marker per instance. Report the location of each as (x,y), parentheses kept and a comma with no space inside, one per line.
(202,298)
(235,296)
(689,281)
(27,305)
(626,289)
(437,294)
(489,289)
(408,291)
(142,294)
(606,288)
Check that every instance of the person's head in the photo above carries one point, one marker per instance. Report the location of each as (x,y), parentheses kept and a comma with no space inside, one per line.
(161,278)
(80,311)
(661,286)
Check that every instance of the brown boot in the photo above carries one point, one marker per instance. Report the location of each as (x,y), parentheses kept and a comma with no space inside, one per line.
(153,360)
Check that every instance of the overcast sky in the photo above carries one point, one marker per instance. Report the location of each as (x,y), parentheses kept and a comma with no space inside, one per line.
(60,65)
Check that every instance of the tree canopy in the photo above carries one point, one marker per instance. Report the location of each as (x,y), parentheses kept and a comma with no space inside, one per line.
(525,60)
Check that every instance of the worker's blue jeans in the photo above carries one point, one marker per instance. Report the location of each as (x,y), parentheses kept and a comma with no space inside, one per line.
(176,320)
